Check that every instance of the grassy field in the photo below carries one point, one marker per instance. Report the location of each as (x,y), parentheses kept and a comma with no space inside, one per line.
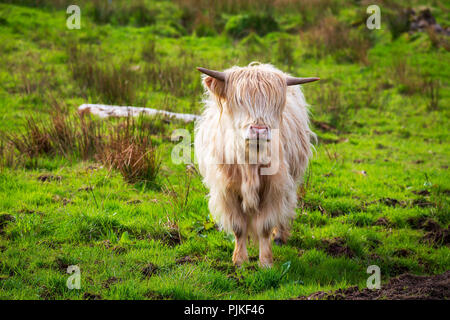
(376,192)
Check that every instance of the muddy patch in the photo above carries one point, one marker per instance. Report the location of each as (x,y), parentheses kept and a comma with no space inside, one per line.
(422,203)
(149,270)
(4,220)
(64,201)
(109,282)
(383,222)
(91,296)
(31,211)
(403,252)
(62,264)
(315,206)
(134,202)
(424,223)
(185,259)
(337,248)
(435,234)
(170,237)
(119,250)
(48,178)
(392,202)
(323,126)
(154,295)
(438,237)
(423,193)
(404,287)
(87,189)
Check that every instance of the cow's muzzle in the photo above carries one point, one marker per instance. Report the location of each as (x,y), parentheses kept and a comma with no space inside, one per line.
(258,132)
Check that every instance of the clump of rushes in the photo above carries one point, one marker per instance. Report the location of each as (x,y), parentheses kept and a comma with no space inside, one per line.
(125,146)
(114,84)
(130,150)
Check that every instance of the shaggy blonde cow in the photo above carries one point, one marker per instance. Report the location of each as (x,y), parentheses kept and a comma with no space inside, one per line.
(244,108)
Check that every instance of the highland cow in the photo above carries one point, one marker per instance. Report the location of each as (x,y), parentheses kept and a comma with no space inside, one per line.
(244,108)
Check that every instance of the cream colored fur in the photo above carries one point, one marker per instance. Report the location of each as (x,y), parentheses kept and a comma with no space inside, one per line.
(241,199)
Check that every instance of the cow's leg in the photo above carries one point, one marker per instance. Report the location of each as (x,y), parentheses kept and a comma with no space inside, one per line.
(264,229)
(240,254)
(281,235)
(276,211)
(227,205)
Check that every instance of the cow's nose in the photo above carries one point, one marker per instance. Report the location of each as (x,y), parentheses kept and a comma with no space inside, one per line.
(257,131)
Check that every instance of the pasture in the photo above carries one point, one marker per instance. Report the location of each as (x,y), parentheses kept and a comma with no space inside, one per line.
(105,195)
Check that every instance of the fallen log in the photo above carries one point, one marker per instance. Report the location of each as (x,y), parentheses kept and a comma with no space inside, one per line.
(105,111)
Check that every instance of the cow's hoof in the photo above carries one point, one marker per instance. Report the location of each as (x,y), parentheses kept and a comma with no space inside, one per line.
(278,241)
(239,261)
(265,264)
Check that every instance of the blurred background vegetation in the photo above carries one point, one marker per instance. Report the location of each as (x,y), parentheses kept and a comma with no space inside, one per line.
(75,189)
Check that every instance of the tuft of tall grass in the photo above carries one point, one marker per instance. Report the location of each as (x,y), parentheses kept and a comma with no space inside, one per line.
(330,36)
(114,84)
(125,146)
(409,79)
(177,77)
(253,48)
(438,40)
(284,51)
(136,12)
(432,91)
(330,103)
(198,14)
(130,151)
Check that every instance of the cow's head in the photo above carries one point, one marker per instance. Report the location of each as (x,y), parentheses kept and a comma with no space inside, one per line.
(253,97)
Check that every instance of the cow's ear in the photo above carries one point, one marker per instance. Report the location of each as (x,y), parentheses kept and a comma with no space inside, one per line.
(217,87)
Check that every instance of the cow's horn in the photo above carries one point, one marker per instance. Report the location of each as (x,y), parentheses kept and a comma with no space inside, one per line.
(291,81)
(215,74)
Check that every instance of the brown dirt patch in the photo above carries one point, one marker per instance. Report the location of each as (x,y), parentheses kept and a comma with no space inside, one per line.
(119,250)
(323,126)
(384,222)
(403,252)
(439,237)
(424,223)
(91,296)
(31,211)
(110,281)
(422,203)
(404,287)
(62,264)
(85,189)
(149,270)
(172,237)
(391,202)
(136,201)
(48,178)
(183,260)
(423,192)
(5,219)
(337,247)
(435,233)
(154,295)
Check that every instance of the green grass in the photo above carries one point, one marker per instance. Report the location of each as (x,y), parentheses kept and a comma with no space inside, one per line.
(389,143)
